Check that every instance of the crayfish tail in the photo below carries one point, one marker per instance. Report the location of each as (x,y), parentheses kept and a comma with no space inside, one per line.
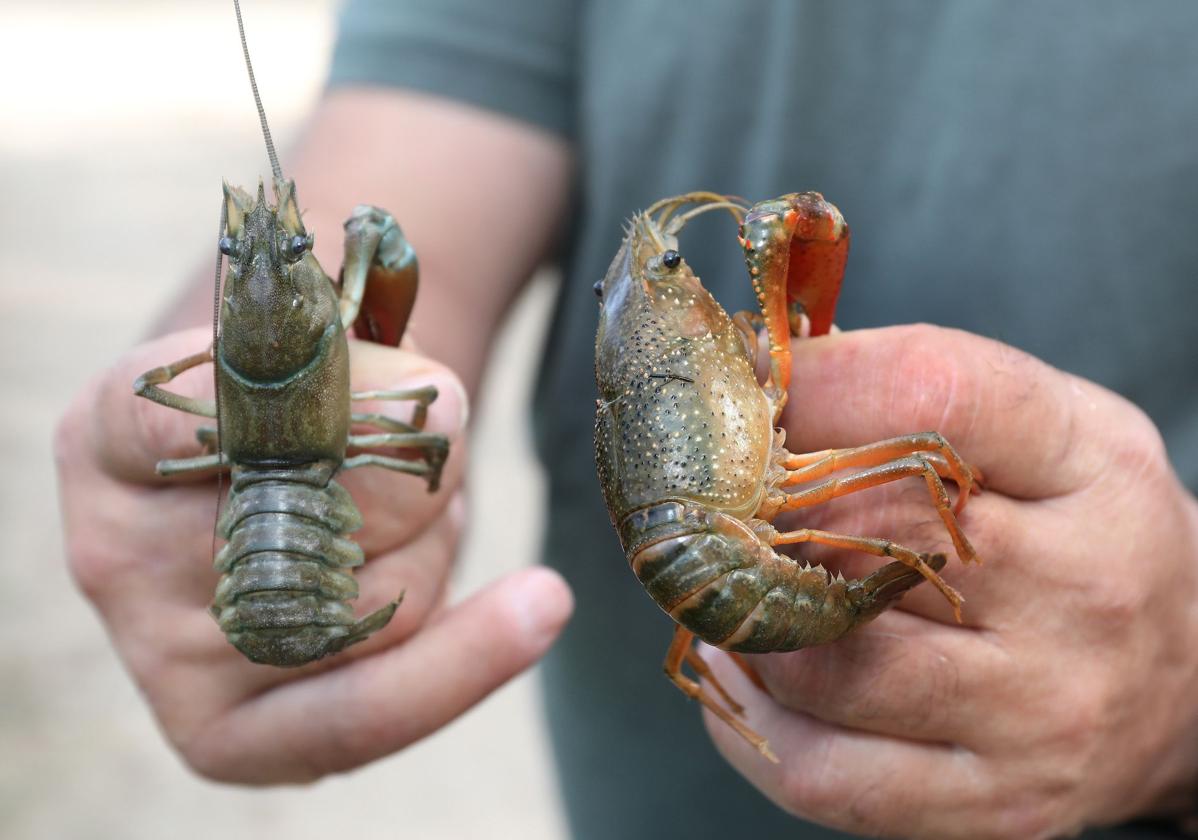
(717,578)
(875,593)
(284,596)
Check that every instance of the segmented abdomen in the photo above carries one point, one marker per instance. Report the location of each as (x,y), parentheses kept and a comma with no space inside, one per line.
(715,577)
(283,597)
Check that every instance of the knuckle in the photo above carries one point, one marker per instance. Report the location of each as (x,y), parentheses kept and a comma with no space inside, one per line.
(203,748)
(1114,602)
(1086,719)
(207,762)
(1117,605)
(861,807)
(1124,448)
(806,796)
(930,388)
(1023,807)
(808,788)
(1139,448)
(868,804)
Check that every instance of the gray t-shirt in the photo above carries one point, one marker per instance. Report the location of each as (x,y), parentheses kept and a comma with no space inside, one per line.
(1023,170)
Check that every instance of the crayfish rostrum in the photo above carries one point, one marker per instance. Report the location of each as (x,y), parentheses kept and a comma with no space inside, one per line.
(692,466)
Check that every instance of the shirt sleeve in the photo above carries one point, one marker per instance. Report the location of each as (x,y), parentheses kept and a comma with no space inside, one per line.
(516,57)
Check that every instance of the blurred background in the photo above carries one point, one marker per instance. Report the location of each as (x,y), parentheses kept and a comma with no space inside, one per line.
(117,122)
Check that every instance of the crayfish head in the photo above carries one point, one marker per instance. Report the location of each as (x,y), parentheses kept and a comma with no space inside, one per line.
(277,301)
(650,277)
(681,414)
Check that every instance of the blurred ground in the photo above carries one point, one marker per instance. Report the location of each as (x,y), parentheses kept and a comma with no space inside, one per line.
(118,120)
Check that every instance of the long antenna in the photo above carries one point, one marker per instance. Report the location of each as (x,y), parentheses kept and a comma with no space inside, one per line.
(270,145)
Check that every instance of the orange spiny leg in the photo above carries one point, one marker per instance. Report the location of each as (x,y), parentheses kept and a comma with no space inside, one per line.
(938,462)
(673,668)
(696,662)
(874,476)
(878,548)
(940,455)
(748,670)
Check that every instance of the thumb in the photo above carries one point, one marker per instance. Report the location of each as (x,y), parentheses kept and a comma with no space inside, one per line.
(387,701)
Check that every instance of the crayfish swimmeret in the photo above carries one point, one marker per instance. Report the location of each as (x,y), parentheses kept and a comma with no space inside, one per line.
(692,466)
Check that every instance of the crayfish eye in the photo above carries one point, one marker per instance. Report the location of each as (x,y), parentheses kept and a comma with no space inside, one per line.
(671,258)
(598,287)
(228,246)
(295,247)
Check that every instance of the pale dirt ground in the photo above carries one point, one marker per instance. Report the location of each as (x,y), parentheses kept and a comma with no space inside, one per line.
(116,121)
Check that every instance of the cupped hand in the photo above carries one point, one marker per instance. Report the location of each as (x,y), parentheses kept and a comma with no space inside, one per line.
(141,547)
(1067,697)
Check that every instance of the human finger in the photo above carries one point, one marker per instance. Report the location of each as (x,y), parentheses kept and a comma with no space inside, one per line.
(1010,535)
(417,573)
(852,780)
(125,542)
(381,703)
(899,675)
(1035,431)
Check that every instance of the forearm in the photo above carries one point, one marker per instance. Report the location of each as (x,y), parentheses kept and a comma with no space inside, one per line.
(477,194)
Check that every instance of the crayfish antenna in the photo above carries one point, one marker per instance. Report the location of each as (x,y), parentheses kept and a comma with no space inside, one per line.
(275,169)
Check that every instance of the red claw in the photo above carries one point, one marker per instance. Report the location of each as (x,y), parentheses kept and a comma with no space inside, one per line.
(819,247)
(386,305)
(795,248)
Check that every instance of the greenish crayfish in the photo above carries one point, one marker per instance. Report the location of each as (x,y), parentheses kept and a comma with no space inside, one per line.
(693,468)
(283,416)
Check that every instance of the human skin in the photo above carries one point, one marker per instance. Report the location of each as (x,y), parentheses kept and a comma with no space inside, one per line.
(1064,699)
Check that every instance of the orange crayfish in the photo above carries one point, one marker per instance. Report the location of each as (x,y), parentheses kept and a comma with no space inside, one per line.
(693,467)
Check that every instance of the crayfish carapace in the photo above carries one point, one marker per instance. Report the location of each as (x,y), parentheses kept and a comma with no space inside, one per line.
(692,467)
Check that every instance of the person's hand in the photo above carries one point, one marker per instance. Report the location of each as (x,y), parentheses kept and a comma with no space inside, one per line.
(141,548)
(1069,697)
